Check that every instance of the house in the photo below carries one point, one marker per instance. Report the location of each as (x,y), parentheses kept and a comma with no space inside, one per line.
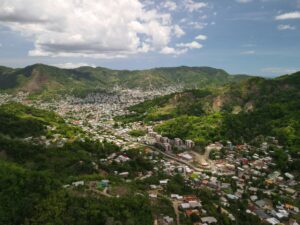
(124,174)
(168,219)
(194,204)
(261,214)
(184,206)
(253,198)
(209,219)
(163,182)
(176,196)
(78,183)
(290,176)
(232,197)
(260,203)
(273,221)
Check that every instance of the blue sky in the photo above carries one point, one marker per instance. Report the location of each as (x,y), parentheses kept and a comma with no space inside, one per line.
(258,37)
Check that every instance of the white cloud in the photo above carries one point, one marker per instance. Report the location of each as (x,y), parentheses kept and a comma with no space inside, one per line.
(286,27)
(170,5)
(168,50)
(278,70)
(243,1)
(72,65)
(172,51)
(90,28)
(201,37)
(0,45)
(287,16)
(198,25)
(250,52)
(178,31)
(192,6)
(190,45)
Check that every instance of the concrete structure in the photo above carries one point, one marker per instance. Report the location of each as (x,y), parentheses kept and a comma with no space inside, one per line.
(189,144)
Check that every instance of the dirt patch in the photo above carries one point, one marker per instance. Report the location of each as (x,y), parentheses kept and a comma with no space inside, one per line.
(36,82)
(217,103)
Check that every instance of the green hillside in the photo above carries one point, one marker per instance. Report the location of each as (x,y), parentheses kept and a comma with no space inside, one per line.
(20,121)
(44,80)
(239,112)
(32,175)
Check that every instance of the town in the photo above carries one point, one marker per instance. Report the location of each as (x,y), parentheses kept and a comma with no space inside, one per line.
(232,173)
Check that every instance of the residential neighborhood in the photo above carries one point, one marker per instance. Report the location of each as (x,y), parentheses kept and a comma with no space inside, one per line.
(233,173)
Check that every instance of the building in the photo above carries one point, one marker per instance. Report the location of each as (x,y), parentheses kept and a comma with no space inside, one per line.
(186,156)
(189,144)
(158,137)
(167,147)
(78,183)
(165,140)
(209,220)
(178,142)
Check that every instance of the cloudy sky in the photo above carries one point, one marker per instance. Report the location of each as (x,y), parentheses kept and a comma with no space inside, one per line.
(259,37)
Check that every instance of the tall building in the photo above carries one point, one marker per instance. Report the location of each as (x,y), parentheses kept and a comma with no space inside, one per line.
(189,144)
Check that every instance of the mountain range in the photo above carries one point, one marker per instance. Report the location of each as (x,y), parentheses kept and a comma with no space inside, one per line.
(43,79)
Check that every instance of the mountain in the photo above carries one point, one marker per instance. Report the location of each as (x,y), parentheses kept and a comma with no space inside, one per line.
(44,79)
(237,111)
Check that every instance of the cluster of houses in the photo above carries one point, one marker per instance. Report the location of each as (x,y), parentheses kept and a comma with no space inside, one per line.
(245,172)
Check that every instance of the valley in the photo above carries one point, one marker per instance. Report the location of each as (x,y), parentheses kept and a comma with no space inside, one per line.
(172,147)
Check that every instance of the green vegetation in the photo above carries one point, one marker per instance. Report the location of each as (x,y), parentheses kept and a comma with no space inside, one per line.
(45,81)
(201,129)
(32,176)
(20,121)
(137,133)
(167,107)
(239,112)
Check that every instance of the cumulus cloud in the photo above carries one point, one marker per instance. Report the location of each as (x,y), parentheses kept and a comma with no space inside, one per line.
(201,37)
(192,6)
(178,31)
(173,51)
(170,5)
(91,28)
(71,65)
(286,27)
(288,16)
(190,45)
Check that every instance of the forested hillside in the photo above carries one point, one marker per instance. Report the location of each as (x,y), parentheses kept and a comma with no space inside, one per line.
(47,80)
(238,112)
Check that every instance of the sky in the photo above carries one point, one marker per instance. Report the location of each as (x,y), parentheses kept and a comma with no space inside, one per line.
(258,37)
